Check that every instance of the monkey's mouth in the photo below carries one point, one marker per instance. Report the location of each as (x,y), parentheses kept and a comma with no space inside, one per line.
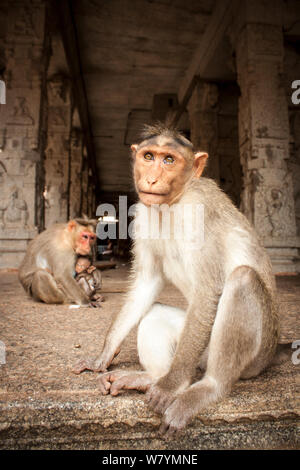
(153,194)
(82,252)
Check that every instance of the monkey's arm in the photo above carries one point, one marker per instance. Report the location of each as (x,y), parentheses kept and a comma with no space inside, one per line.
(193,341)
(140,299)
(97,279)
(71,287)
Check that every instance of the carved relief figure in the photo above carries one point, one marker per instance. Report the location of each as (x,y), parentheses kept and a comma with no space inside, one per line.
(13,208)
(21,115)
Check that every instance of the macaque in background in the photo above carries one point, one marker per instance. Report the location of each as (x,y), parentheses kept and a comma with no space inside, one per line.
(230,328)
(46,272)
(89,278)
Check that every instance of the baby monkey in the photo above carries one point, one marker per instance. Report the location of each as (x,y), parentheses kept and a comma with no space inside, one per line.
(89,278)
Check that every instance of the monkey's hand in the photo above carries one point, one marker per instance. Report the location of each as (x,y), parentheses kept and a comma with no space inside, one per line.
(117,380)
(95,303)
(162,394)
(99,365)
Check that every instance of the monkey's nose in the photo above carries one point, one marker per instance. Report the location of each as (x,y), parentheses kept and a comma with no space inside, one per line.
(151,179)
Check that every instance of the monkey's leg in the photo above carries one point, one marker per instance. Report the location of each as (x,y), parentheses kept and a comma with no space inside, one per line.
(157,339)
(83,283)
(158,335)
(245,310)
(44,288)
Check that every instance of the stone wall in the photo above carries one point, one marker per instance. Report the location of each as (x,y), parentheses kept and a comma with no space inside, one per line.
(23,46)
(291,73)
(41,178)
(268,186)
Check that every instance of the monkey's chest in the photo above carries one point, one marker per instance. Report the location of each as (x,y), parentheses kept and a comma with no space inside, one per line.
(177,268)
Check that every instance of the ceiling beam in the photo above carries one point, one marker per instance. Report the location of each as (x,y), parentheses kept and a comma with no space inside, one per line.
(68,31)
(213,34)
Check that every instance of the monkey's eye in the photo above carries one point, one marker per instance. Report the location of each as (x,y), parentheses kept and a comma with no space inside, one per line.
(169,159)
(85,236)
(148,156)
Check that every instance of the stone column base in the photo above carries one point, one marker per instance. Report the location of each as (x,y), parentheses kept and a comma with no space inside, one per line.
(13,245)
(285,255)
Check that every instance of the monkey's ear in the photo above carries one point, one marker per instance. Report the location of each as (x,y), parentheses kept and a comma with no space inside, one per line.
(199,163)
(71,225)
(134,148)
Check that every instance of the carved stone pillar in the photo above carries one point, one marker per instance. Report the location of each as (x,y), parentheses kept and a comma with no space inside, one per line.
(203,113)
(91,197)
(24,61)
(267,199)
(57,154)
(85,183)
(75,173)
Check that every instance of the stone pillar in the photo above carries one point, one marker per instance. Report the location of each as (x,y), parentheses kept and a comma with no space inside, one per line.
(75,173)
(20,128)
(57,154)
(85,183)
(267,198)
(91,197)
(203,113)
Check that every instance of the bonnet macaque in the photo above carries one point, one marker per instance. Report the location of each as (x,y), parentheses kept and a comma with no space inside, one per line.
(46,272)
(89,278)
(230,328)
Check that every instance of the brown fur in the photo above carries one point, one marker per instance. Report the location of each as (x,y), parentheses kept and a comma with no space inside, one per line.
(46,272)
(231,324)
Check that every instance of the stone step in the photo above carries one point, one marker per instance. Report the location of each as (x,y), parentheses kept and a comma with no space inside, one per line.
(44,406)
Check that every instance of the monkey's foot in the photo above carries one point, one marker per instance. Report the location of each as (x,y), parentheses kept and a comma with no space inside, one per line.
(100,365)
(187,405)
(159,399)
(177,416)
(115,381)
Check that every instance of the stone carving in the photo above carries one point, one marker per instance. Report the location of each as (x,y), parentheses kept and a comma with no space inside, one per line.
(274,209)
(203,109)
(15,212)
(58,86)
(57,116)
(13,207)
(210,96)
(294,160)
(24,25)
(21,115)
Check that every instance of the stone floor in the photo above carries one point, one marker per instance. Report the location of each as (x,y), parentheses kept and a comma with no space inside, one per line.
(44,406)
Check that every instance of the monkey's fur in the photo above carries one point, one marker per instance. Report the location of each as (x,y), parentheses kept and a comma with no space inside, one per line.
(46,272)
(231,325)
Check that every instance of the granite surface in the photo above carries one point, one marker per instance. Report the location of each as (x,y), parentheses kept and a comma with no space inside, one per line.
(44,406)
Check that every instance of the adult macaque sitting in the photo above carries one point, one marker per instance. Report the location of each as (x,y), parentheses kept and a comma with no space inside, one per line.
(46,272)
(89,278)
(230,327)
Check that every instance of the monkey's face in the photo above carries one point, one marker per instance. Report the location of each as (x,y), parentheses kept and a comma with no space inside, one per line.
(83,238)
(160,172)
(85,241)
(82,265)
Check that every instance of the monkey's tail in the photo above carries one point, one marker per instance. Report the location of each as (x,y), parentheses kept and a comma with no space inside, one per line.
(283,354)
